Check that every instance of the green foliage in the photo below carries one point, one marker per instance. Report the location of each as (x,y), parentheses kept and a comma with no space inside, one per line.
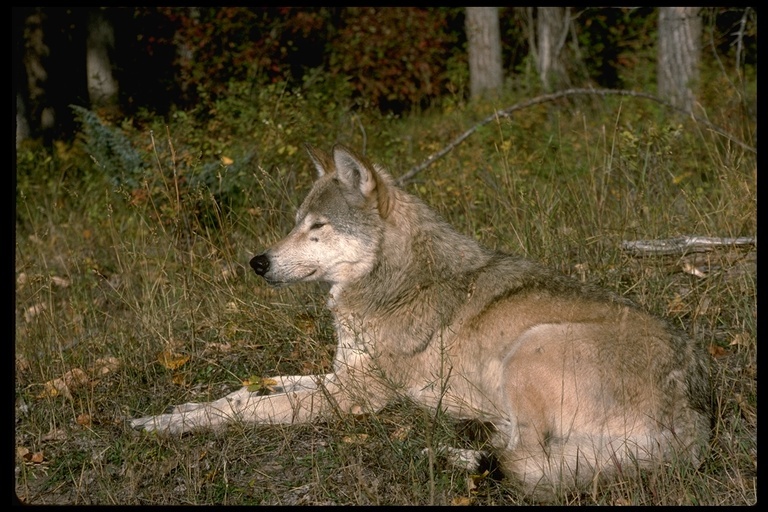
(110,149)
(615,39)
(216,170)
(282,44)
(396,58)
(220,44)
(513,26)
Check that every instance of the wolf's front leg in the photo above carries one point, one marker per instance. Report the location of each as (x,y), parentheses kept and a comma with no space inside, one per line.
(295,399)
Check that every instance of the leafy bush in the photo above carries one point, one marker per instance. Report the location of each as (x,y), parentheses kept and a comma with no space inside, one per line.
(220,44)
(110,149)
(394,57)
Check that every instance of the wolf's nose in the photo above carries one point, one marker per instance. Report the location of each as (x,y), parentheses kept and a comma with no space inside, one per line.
(260,264)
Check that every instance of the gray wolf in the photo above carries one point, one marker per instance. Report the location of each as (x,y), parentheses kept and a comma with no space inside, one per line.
(579,385)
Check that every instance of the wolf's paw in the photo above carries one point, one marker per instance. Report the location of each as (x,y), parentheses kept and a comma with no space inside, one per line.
(173,423)
(176,422)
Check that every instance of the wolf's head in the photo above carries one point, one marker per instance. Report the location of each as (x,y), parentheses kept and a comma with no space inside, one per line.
(339,226)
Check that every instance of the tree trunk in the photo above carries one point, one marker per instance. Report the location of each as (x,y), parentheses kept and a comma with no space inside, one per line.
(484,48)
(547,41)
(679,54)
(35,60)
(102,86)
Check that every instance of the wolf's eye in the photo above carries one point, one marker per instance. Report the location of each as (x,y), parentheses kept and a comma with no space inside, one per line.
(317,225)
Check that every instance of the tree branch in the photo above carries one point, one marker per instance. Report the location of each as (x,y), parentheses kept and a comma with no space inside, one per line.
(507,112)
(683,245)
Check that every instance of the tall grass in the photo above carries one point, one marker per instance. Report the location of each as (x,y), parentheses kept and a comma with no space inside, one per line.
(145,289)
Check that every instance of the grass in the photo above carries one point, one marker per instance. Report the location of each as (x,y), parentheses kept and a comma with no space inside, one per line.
(143,292)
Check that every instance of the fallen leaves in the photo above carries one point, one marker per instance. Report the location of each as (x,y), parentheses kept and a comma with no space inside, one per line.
(355,438)
(461,501)
(84,419)
(677,306)
(55,434)
(741,339)
(65,384)
(77,378)
(716,350)
(689,268)
(105,365)
(263,385)
(472,481)
(29,456)
(171,360)
(401,433)
(34,311)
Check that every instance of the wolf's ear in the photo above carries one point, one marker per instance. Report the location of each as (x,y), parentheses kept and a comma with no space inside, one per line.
(322,160)
(353,171)
(358,174)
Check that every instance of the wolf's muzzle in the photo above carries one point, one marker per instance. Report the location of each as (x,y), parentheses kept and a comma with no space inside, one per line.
(260,264)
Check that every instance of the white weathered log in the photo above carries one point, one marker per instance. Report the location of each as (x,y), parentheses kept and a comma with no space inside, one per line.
(683,245)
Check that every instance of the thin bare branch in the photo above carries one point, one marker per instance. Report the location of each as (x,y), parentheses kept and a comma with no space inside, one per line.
(507,112)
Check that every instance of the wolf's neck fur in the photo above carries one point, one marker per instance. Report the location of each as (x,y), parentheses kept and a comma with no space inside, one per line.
(424,272)
(437,251)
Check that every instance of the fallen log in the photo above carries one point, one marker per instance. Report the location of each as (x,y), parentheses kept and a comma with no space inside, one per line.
(684,245)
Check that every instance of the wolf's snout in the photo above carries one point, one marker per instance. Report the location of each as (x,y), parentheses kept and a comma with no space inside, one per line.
(260,264)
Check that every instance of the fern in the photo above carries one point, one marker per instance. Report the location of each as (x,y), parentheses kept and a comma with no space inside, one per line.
(110,149)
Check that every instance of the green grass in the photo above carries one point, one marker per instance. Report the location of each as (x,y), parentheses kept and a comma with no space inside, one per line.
(130,273)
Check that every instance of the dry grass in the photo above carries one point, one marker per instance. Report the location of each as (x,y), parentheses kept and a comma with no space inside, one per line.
(144,303)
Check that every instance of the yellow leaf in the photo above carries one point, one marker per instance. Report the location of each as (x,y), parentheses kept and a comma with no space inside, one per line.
(225,160)
(355,438)
(171,360)
(178,379)
(256,384)
(49,391)
(461,501)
